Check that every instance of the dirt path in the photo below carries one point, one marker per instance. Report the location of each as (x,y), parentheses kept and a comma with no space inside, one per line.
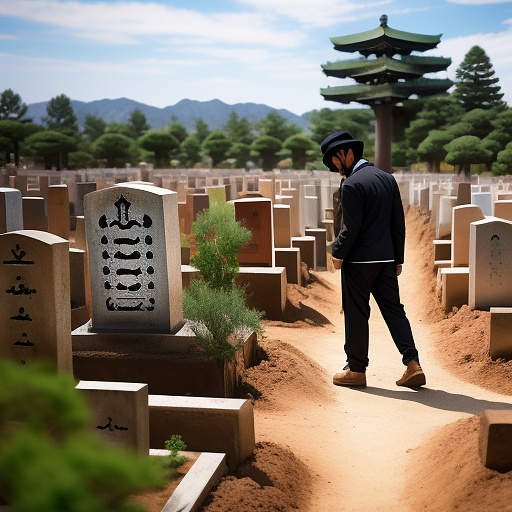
(359,444)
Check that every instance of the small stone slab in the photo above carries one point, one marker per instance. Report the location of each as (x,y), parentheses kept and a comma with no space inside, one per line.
(495,441)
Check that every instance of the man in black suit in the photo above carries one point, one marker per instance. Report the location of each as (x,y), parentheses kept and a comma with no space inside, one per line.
(369,249)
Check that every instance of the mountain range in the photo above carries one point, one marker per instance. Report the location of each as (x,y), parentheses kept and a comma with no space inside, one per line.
(214,113)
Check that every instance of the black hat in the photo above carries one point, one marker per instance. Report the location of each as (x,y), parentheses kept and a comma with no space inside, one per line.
(337,140)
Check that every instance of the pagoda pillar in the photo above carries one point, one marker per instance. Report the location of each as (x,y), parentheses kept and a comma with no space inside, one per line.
(383,135)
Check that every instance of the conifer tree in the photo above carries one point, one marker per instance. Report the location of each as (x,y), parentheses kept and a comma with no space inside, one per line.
(476,84)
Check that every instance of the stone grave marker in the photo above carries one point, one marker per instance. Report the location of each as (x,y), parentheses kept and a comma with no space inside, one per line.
(11,210)
(256,215)
(120,413)
(34,213)
(35,305)
(462,217)
(133,240)
(490,264)
(58,211)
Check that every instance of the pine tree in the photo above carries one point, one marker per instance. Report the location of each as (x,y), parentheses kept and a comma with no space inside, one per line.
(476,85)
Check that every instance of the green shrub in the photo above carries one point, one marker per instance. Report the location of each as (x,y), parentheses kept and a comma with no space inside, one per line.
(220,318)
(49,462)
(218,239)
(174,445)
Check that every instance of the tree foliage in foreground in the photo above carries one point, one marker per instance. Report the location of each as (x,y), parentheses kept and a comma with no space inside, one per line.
(49,462)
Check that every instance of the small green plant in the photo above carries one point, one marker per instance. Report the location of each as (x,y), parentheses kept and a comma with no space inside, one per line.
(218,239)
(221,319)
(175,444)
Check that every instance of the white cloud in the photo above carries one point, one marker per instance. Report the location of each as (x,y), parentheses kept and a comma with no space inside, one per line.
(7,37)
(497,46)
(320,13)
(479,2)
(128,22)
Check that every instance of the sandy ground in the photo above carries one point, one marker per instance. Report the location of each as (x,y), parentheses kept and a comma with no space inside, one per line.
(381,448)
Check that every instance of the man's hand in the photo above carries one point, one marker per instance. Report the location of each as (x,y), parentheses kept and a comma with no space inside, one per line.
(337,263)
(398,269)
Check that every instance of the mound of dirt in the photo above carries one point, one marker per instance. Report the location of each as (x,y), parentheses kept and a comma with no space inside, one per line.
(451,475)
(272,479)
(284,375)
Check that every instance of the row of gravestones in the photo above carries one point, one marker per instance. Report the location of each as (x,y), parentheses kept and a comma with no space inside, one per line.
(315,189)
(134,258)
(473,251)
(473,222)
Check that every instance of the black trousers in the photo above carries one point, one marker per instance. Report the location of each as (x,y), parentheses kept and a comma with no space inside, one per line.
(357,282)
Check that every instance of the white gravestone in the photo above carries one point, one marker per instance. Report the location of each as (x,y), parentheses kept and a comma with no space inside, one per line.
(134,250)
(490,264)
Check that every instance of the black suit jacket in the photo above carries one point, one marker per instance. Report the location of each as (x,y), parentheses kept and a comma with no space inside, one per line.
(373,226)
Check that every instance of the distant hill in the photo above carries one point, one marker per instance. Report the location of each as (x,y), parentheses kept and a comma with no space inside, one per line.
(214,113)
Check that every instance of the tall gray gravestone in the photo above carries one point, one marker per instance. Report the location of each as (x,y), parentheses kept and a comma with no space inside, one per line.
(134,250)
(11,210)
(35,306)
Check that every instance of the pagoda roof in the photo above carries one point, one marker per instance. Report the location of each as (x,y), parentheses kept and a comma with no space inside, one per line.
(394,92)
(385,69)
(385,40)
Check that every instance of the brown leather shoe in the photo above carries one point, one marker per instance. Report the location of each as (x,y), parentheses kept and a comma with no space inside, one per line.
(350,378)
(413,376)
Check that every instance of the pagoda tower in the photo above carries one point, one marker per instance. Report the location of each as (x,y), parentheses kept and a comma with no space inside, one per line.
(386,75)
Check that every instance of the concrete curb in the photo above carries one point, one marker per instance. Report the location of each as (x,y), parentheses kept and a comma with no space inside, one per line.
(205,473)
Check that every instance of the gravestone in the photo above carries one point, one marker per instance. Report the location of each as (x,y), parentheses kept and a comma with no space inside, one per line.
(255,214)
(462,217)
(11,210)
(282,231)
(217,194)
(494,446)
(34,213)
(58,211)
(503,209)
(484,200)
(133,240)
(490,264)
(119,413)
(35,305)
(444,219)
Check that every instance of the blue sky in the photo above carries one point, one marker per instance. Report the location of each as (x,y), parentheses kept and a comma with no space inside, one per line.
(263,51)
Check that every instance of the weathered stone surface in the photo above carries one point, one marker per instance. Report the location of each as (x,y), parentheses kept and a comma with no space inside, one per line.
(119,413)
(35,305)
(135,259)
(490,263)
(11,210)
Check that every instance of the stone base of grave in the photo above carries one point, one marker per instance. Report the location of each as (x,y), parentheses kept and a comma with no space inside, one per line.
(290,259)
(199,480)
(494,444)
(307,246)
(455,287)
(442,250)
(500,343)
(79,316)
(320,236)
(171,364)
(206,424)
(188,272)
(266,289)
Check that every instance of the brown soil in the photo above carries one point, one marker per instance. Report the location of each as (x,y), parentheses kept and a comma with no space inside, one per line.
(154,501)
(322,447)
